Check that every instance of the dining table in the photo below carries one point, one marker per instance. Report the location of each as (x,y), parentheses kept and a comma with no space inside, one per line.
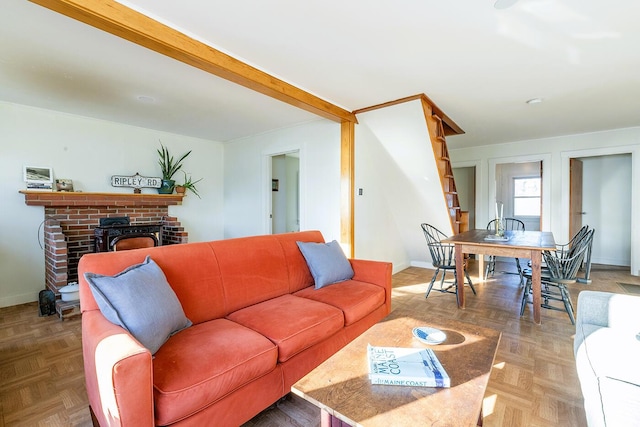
(513,244)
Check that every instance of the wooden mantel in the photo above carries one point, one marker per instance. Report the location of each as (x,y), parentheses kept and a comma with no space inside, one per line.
(60,198)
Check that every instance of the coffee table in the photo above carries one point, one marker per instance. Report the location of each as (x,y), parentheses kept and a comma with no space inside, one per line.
(341,388)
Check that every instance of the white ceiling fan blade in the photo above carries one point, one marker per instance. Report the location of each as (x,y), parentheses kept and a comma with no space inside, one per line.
(504,4)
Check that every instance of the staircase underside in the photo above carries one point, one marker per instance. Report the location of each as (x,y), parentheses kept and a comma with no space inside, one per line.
(438,126)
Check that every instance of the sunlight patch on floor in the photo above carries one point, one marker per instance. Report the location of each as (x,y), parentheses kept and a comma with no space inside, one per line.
(489,404)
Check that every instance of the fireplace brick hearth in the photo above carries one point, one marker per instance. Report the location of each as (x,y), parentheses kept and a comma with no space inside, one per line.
(70,220)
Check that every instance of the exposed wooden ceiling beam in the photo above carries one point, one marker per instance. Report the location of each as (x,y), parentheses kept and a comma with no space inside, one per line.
(131,25)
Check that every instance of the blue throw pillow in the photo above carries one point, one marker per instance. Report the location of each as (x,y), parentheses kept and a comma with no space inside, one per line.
(140,300)
(327,262)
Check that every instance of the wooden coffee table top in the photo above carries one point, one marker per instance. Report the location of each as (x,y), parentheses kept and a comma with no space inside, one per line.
(341,384)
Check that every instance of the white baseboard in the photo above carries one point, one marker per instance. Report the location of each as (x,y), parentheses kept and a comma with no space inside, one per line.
(611,261)
(421,264)
(17,300)
(399,267)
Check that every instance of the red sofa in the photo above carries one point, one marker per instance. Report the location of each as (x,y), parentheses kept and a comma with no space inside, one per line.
(259,325)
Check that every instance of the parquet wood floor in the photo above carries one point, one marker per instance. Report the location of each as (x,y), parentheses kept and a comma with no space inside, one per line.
(533,382)
(41,371)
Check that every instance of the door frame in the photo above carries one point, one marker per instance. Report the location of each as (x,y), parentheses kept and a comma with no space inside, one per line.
(576,210)
(266,185)
(635,193)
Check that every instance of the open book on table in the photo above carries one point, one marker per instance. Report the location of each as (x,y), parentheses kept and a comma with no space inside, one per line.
(406,366)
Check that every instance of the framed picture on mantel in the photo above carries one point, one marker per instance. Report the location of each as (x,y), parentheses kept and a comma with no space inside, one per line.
(64,185)
(38,178)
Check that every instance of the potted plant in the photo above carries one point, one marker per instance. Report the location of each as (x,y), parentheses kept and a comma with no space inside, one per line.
(168,167)
(188,184)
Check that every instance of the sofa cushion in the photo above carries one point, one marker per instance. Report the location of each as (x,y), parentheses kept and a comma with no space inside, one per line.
(606,361)
(355,299)
(140,300)
(253,269)
(191,270)
(327,262)
(204,363)
(611,353)
(299,273)
(620,402)
(291,322)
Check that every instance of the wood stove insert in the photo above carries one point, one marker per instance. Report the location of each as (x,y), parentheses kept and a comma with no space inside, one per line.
(118,233)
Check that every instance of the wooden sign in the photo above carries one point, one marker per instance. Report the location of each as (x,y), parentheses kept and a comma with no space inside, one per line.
(136,181)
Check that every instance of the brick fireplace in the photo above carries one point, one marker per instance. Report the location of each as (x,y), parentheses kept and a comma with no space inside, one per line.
(70,220)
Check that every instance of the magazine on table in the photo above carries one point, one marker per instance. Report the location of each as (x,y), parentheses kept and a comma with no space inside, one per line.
(406,366)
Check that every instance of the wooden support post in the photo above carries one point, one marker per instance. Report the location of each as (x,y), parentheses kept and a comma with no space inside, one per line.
(347,190)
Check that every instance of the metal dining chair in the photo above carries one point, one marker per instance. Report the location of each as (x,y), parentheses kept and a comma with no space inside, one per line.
(509,224)
(562,268)
(443,259)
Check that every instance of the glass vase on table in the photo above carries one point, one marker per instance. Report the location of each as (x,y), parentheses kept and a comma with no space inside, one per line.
(500,227)
(500,224)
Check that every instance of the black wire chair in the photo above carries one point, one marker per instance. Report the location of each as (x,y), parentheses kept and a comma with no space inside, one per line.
(509,224)
(443,259)
(562,268)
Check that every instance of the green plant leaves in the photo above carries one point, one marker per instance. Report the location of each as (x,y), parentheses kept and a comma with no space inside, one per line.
(167,164)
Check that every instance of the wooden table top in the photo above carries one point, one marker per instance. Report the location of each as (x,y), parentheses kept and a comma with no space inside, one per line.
(341,384)
(521,239)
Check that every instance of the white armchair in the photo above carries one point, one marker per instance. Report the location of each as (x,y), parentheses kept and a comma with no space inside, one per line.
(607,352)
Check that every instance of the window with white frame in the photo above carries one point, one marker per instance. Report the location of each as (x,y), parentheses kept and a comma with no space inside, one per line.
(526,196)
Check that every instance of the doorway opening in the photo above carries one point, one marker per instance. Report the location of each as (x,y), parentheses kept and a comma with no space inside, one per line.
(465,179)
(600,196)
(285,192)
(519,189)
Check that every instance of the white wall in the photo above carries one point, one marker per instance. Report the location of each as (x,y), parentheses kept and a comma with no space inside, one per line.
(388,169)
(606,199)
(555,154)
(88,151)
(247,177)
(396,169)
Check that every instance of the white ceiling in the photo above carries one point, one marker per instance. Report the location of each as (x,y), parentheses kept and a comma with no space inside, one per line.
(477,63)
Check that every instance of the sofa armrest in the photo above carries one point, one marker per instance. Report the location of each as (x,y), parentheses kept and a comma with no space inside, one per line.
(607,309)
(376,272)
(118,373)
